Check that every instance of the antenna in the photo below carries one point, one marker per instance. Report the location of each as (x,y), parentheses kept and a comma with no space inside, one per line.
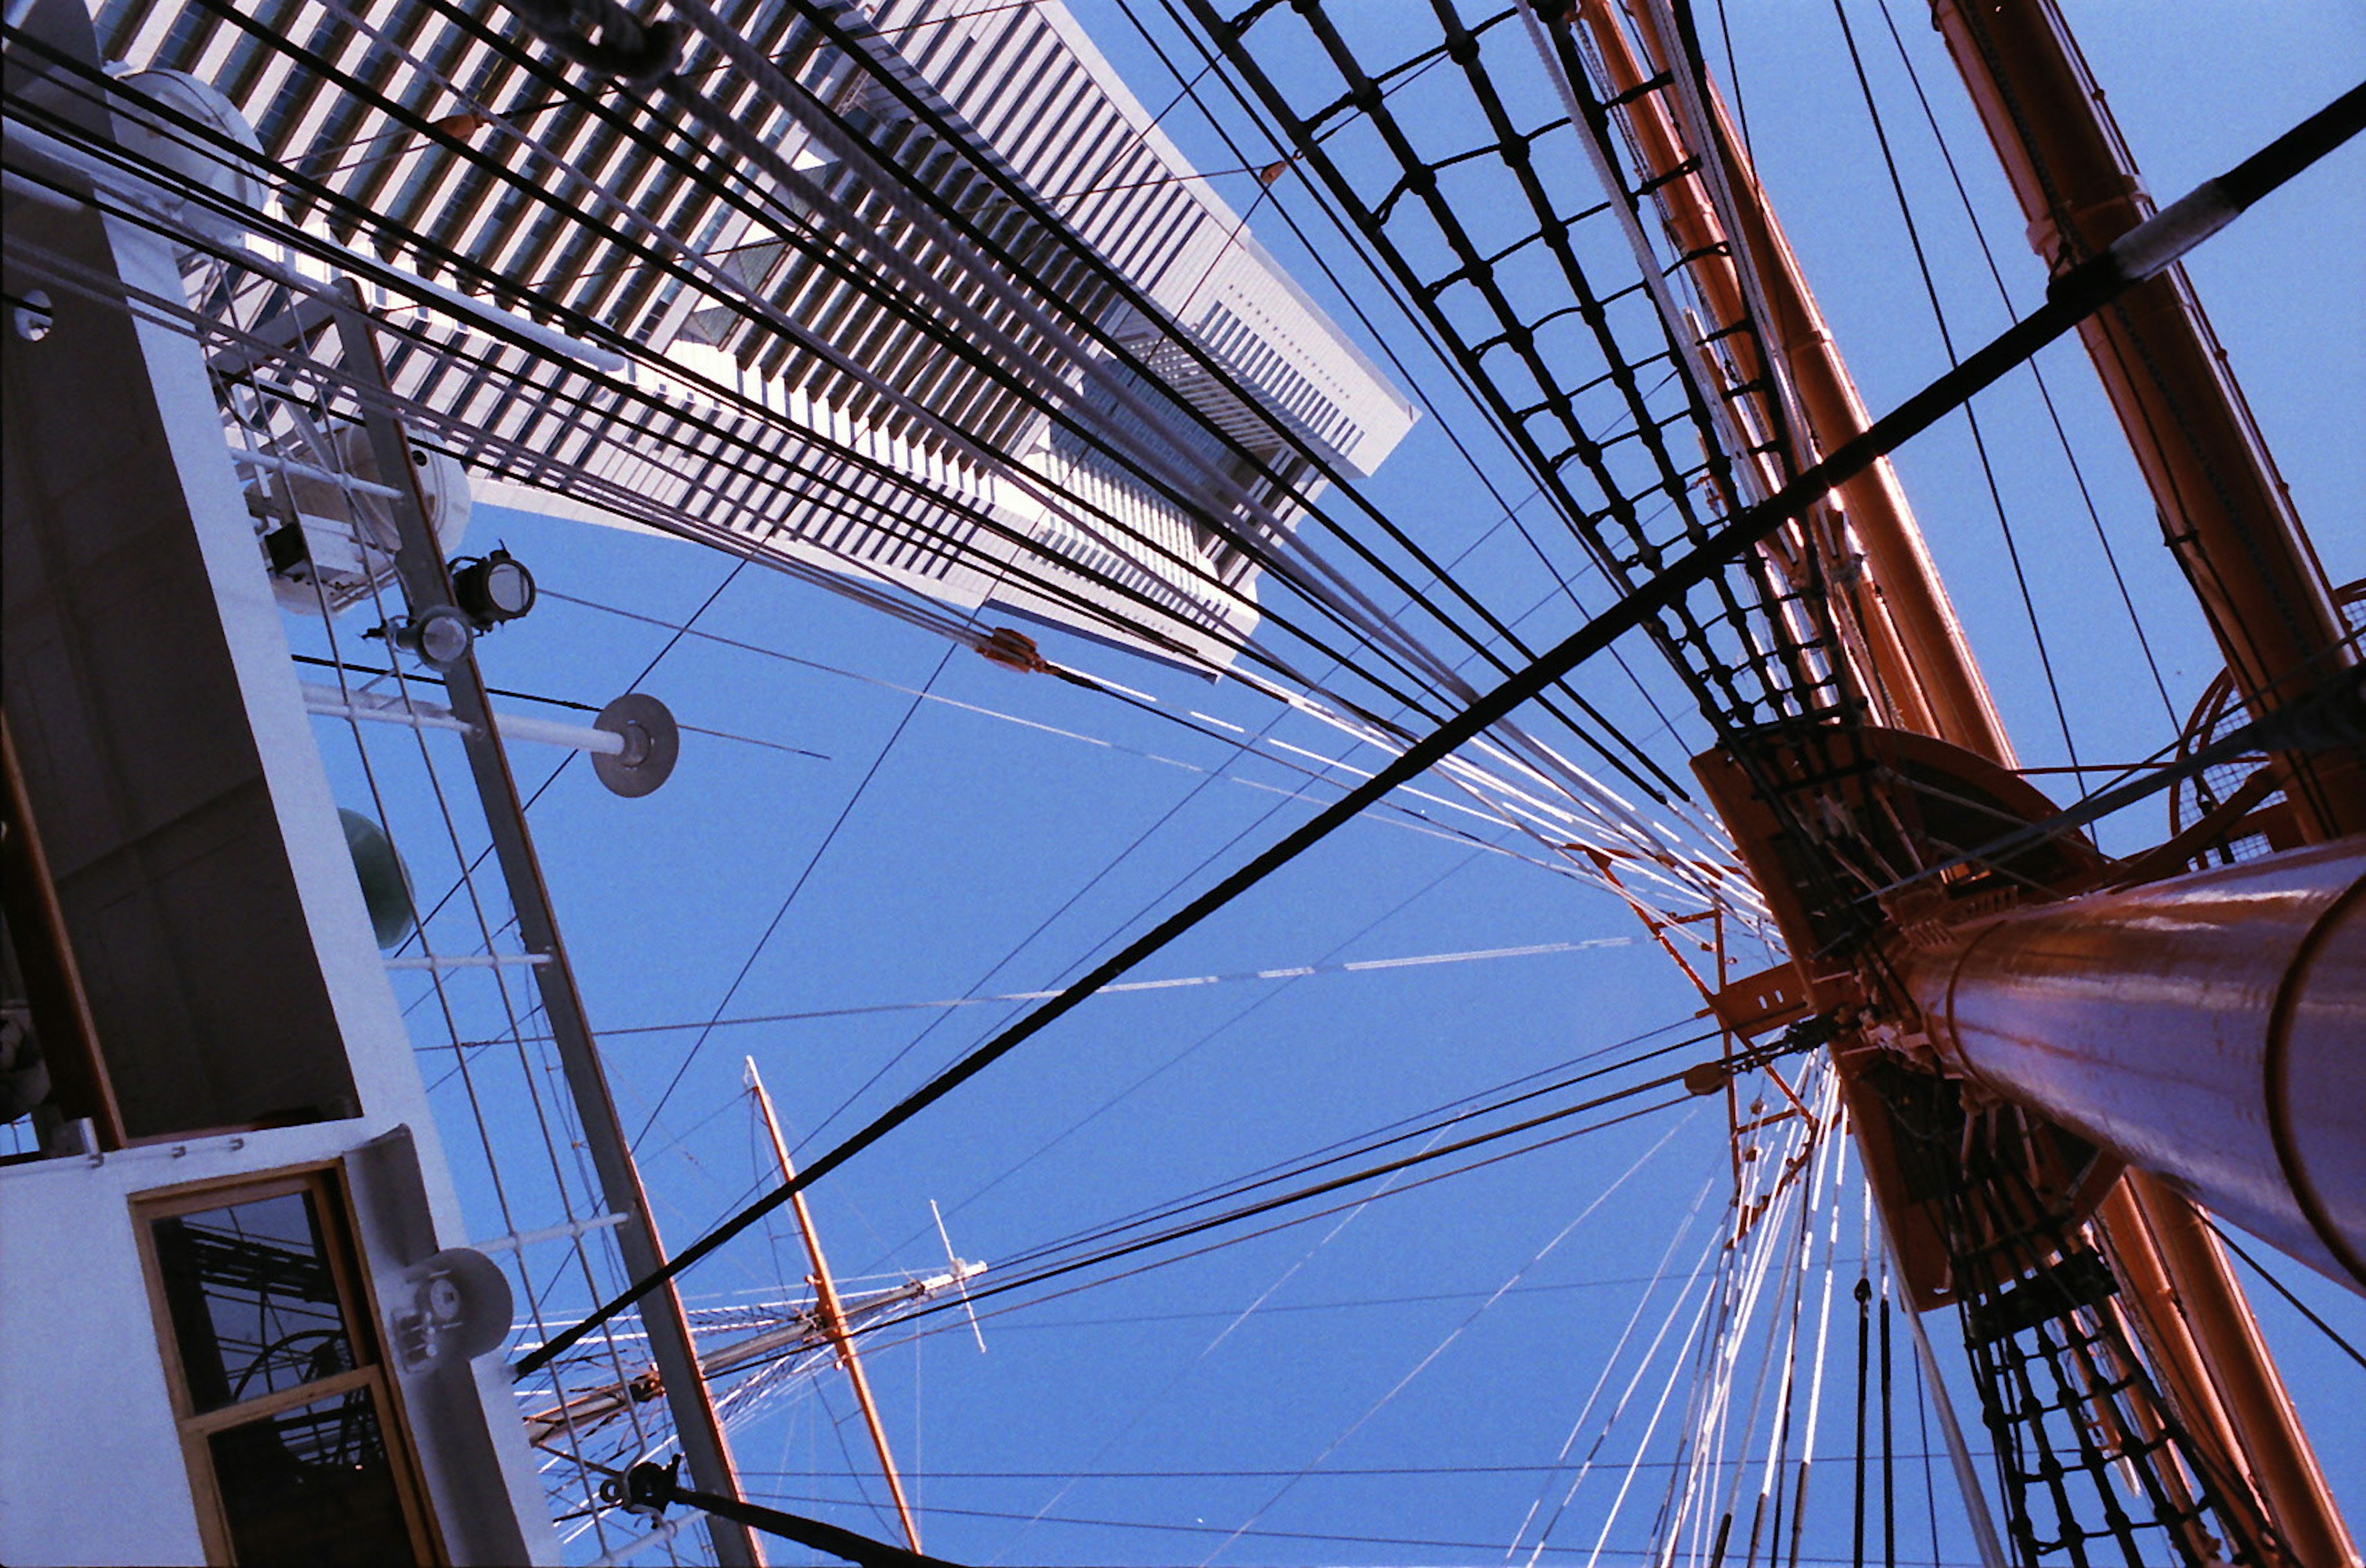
(961,1275)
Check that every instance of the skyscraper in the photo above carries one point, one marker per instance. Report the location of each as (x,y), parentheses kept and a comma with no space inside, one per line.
(866,394)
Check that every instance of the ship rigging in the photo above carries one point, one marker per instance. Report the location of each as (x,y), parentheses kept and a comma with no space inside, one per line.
(795,282)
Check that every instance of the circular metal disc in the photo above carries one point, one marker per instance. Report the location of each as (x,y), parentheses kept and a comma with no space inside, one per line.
(652,742)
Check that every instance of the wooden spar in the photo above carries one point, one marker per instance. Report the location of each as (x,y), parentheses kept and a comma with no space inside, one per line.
(2222,506)
(2232,524)
(1912,636)
(832,1313)
(2198,1324)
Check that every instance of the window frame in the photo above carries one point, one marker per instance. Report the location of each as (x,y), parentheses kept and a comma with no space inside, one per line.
(331,1205)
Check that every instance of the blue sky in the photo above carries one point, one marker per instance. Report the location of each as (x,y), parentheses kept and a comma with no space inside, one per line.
(975,828)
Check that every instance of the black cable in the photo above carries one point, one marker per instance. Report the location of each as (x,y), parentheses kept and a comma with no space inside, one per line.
(1864,1356)
(1404,1129)
(2075,295)
(1888,1450)
(1113,1238)
(795,887)
(1362,1146)
(2279,1287)
(650,1488)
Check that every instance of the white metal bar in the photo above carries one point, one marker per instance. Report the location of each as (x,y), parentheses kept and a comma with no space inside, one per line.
(566,1232)
(252,460)
(379,708)
(582,737)
(469,960)
(390,707)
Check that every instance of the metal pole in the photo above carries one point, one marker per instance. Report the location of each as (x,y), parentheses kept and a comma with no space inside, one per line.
(833,1315)
(391,707)
(2203,1028)
(426,584)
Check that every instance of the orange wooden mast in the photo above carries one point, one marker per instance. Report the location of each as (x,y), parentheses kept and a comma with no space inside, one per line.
(1952,985)
(2224,507)
(832,1313)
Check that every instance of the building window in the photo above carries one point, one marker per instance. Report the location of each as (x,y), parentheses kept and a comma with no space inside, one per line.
(288,1418)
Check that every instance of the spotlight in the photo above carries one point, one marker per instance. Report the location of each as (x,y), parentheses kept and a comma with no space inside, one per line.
(440,638)
(492,588)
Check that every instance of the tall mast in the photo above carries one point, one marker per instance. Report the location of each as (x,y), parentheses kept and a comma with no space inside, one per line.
(832,1313)
(2183,1300)
(2229,519)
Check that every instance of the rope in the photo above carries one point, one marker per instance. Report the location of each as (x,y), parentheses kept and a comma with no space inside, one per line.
(790,899)
(1947,343)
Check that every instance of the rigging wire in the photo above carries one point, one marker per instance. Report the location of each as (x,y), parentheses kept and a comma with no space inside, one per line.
(2069,305)
(2036,371)
(827,839)
(1947,343)
(1180,982)
(2281,1288)
(1559,1465)
(1456,1332)
(1352,297)
(1176,1059)
(1048,1272)
(1159,1399)
(1120,1238)
(1403,1129)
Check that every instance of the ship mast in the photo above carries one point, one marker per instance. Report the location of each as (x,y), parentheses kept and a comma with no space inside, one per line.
(831,1313)
(2229,519)
(2235,530)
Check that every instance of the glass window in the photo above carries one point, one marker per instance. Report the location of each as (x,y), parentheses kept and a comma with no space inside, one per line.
(292,1426)
(311,1487)
(255,1303)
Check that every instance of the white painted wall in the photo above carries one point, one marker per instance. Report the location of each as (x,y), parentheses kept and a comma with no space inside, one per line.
(90,1463)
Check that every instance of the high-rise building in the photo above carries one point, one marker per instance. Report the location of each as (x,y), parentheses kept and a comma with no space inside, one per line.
(900,417)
